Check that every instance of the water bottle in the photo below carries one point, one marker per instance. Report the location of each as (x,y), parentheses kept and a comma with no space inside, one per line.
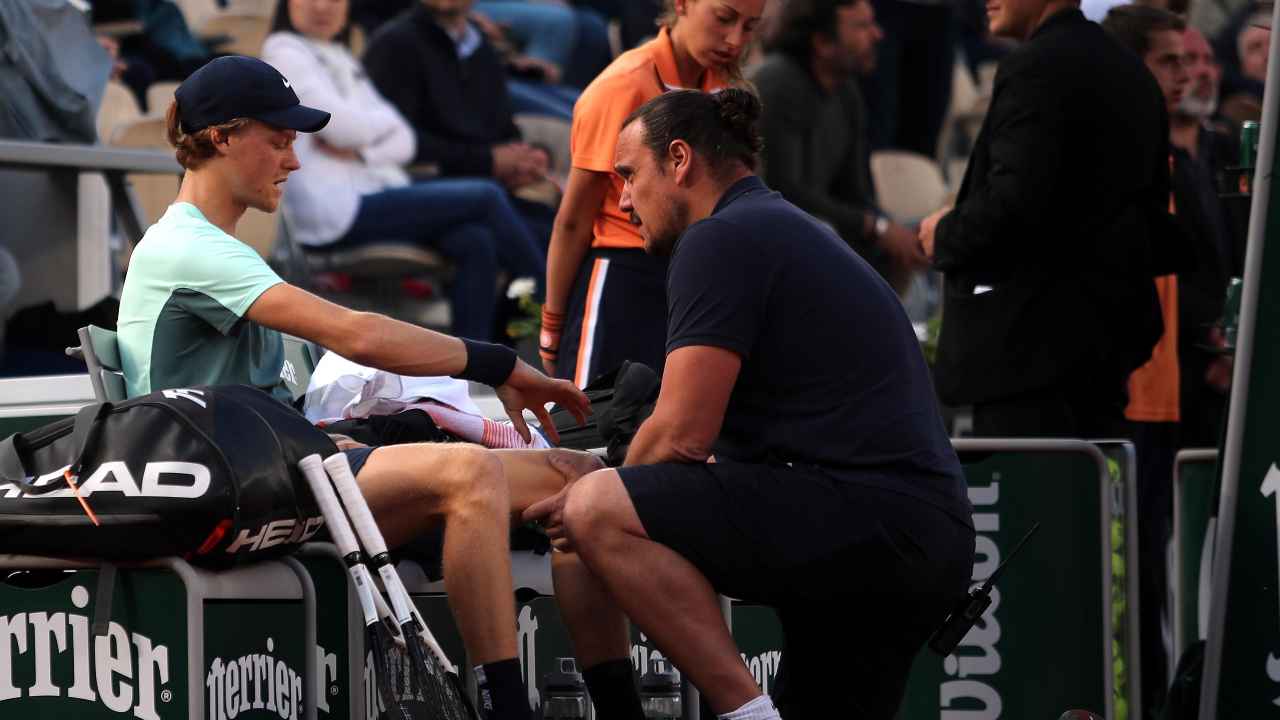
(660,691)
(564,695)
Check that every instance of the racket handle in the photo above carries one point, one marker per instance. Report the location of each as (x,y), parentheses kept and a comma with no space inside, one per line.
(357,508)
(339,529)
(366,592)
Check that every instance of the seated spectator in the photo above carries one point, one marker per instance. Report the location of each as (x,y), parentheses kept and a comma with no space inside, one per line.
(815,128)
(201,307)
(166,44)
(573,40)
(637,19)
(353,189)
(438,69)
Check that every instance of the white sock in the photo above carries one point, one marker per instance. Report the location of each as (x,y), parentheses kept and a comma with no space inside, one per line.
(759,709)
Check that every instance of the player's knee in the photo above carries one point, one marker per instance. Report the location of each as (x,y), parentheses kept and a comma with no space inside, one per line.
(588,517)
(477,482)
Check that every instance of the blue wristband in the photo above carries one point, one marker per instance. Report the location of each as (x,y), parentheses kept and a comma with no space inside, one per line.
(487,363)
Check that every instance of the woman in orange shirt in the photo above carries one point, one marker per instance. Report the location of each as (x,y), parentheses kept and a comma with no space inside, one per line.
(606,298)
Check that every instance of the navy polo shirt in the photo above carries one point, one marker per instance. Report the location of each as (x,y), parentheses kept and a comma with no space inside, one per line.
(832,373)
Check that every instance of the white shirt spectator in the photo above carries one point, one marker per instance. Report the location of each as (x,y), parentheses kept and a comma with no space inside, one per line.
(321,199)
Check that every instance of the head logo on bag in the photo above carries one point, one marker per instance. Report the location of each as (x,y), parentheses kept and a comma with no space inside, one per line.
(120,670)
(182,480)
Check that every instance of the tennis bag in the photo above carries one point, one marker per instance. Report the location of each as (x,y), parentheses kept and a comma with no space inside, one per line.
(206,473)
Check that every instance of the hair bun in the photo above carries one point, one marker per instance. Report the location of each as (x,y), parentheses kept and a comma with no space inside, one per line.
(737,107)
(739,111)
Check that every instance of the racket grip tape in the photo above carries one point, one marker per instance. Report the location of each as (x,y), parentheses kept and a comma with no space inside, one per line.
(357,508)
(339,529)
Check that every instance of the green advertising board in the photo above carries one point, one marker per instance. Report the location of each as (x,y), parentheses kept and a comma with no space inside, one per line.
(1242,649)
(255,660)
(173,642)
(52,665)
(1045,644)
(1194,501)
(340,665)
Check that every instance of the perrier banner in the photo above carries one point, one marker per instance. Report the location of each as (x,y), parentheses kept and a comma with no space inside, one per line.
(1242,653)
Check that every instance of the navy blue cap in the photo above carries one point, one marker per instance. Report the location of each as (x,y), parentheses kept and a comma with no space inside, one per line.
(236,86)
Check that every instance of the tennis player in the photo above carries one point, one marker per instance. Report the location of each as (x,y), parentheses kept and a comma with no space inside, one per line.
(199,307)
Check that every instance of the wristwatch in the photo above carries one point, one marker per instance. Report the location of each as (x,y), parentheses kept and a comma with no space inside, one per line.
(882,226)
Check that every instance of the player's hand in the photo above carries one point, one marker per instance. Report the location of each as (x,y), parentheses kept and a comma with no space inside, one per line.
(528,389)
(549,513)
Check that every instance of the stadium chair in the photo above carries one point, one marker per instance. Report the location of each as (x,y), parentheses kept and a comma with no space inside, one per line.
(300,360)
(118,107)
(154,192)
(909,185)
(101,354)
(246,33)
(159,95)
(373,261)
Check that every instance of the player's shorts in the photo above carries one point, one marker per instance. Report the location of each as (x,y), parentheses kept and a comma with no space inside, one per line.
(860,576)
(617,311)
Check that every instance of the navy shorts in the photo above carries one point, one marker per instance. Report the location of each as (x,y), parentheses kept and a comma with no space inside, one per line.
(617,311)
(860,576)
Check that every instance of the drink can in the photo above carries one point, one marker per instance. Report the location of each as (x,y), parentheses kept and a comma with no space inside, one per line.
(1248,144)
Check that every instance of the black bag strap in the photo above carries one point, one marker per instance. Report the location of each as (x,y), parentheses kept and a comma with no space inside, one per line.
(85,435)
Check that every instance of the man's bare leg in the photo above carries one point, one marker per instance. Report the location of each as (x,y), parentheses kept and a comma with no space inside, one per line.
(662,592)
(597,626)
(536,474)
(411,488)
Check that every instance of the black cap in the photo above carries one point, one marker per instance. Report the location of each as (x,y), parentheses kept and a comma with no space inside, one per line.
(236,86)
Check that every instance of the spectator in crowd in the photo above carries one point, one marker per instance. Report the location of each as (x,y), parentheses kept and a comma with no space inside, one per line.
(166,43)
(814,124)
(606,299)
(910,88)
(1154,408)
(573,41)
(1049,252)
(637,19)
(1243,46)
(1202,147)
(199,307)
(353,190)
(442,74)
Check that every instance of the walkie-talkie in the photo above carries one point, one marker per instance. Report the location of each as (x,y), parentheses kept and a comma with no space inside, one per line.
(966,612)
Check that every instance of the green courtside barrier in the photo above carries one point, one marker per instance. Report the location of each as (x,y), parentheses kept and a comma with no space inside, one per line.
(1194,501)
(174,642)
(1045,644)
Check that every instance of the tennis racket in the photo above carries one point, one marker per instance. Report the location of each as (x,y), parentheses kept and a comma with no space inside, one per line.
(378,637)
(433,676)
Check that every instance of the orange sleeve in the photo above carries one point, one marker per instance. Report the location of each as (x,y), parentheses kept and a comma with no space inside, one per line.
(597,120)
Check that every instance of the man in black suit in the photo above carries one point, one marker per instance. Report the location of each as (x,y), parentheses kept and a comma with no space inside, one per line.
(1049,250)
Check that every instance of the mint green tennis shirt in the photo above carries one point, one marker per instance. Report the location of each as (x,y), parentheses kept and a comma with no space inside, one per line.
(182,310)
